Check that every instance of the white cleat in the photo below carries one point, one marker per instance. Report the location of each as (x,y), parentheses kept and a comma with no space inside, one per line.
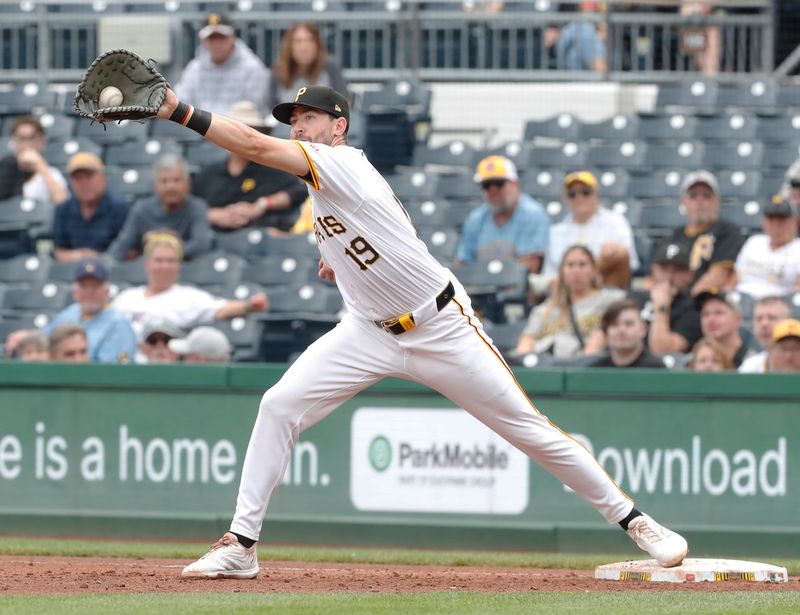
(663,545)
(227,560)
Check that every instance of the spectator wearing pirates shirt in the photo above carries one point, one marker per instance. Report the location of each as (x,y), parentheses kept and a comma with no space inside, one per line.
(713,243)
(769,263)
(241,193)
(675,321)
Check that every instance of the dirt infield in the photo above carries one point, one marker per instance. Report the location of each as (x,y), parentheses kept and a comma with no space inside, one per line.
(76,575)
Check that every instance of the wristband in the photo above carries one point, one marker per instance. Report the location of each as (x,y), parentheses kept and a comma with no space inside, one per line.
(196,119)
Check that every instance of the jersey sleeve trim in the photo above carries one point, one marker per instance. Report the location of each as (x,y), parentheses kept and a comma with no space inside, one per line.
(313,175)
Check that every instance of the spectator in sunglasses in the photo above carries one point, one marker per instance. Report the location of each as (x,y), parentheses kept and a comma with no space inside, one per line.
(607,234)
(157,332)
(508,224)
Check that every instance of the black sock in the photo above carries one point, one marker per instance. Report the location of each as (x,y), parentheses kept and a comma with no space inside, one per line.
(248,542)
(633,514)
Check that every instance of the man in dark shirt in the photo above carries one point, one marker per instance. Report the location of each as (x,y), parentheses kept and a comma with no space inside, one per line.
(625,332)
(720,320)
(675,325)
(713,243)
(172,207)
(242,194)
(89,220)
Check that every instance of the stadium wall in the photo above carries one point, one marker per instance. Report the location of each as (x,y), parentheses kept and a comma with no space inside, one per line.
(150,451)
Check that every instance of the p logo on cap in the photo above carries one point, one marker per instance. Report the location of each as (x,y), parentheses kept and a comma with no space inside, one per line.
(672,251)
(300,92)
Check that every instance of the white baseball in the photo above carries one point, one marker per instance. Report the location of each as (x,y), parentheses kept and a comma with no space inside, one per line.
(110,97)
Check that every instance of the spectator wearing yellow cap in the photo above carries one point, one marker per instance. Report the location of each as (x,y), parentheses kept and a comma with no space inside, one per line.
(607,234)
(92,217)
(784,354)
(508,224)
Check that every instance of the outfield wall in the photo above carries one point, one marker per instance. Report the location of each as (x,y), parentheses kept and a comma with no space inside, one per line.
(156,450)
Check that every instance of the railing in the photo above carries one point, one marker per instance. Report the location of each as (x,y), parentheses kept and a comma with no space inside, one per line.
(57,41)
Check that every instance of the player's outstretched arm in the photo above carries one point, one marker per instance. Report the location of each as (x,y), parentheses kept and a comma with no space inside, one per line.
(239,138)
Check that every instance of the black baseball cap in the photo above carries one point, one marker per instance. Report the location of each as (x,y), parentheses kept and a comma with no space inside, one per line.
(778,206)
(675,253)
(216,23)
(317,97)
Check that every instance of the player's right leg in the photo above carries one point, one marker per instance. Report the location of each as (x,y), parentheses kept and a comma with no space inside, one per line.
(346,360)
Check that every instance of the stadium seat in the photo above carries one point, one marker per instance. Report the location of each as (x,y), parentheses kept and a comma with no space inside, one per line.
(410,97)
(739,184)
(788,97)
(494,284)
(43,296)
(734,155)
(245,335)
(744,214)
(249,243)
(729,127)
(782,128)
(772,182)
(658,184)
(131,272)
(667,127)
(57,126)
(26,98)
(614,183)
(698,94)
(22,222)
(132,182)
(435,214)
(686,154)
(279,271)
(241,290)
(442,243)
(516,151)
(205,153)
(569,155)
(780,155)
(544,185)
(565,127)
(62,272)
(630,208)
(24,270)
(453,155)
(57,153)
(658,217)
(754,94)
(213,269)
(140,153)
(413,184)
(615,129)
(458,188)
(110,133)
(306,301)
(644,249)
(628,155)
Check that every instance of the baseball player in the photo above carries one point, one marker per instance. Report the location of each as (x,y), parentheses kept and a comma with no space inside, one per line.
(407,316)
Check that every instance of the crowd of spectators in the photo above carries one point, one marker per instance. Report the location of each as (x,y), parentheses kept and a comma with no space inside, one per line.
(584,303)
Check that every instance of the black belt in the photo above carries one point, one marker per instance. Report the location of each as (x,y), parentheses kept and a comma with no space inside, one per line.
(404,323)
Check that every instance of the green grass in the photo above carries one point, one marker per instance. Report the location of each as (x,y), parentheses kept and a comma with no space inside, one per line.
(189,551)
(441,603)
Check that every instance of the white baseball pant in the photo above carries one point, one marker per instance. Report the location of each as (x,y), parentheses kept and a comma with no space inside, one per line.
(451,354)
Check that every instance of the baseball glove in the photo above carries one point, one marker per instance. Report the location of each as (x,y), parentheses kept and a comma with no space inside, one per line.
(142,86)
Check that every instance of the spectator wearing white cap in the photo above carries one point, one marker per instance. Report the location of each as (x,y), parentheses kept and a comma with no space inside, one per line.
(509,223)
(157,332)
(769,263)
(241,193)
(203,345)
(713,243)
(224,71)
(91,218)
(607,234)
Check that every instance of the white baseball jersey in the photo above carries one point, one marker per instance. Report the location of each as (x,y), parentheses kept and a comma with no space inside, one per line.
(365,235)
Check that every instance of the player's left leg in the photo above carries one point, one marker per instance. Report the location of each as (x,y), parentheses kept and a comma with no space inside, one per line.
(453,355)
